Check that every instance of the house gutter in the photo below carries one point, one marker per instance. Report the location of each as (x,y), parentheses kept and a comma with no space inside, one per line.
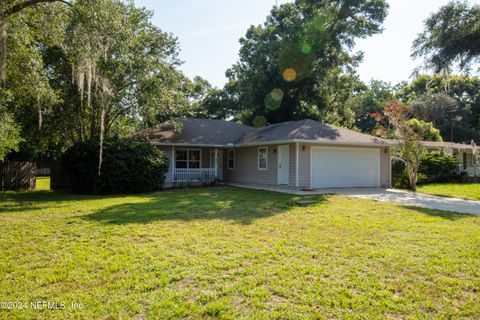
(253,144)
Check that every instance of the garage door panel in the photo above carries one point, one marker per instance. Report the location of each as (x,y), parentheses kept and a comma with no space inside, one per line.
(345,167)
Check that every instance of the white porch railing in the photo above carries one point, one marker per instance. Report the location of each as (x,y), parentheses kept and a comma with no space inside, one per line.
(194,175)
(471,171)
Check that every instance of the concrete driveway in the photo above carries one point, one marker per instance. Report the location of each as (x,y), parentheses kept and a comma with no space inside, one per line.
(415,199)
(386,195)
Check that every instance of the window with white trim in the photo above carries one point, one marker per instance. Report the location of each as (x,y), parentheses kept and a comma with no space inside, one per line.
(187,159)
(262,158)
(231,159)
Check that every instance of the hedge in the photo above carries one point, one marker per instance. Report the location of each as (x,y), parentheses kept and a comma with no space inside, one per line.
(436,167)
(128,166)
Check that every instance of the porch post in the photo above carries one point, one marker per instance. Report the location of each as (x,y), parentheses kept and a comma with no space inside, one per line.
(173,164)
(216,163)
(296,165)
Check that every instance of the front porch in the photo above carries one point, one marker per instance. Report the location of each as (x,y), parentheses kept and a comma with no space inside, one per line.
(466,164)
(469,171)
(195,165)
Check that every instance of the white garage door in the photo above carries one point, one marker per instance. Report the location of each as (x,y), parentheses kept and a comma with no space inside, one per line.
(345,167)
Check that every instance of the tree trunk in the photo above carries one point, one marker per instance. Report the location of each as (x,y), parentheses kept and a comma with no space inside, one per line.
(102,131)
(3,47)
(413,181)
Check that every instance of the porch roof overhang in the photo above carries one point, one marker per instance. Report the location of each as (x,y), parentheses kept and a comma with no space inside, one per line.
(189,145)
(432,145)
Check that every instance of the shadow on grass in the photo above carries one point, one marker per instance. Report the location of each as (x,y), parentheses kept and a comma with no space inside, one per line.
(226,203)
(447,215)
(30,200)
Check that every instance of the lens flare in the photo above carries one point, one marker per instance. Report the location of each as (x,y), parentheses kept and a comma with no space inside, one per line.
(273,100)
(259,121)
(289,74)
(277,94)
(306,48)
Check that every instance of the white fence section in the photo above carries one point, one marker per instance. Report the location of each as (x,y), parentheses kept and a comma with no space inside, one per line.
(194,175)
(471,171)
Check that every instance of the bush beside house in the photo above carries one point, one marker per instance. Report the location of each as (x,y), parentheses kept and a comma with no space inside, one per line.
(129,166)
(436,167)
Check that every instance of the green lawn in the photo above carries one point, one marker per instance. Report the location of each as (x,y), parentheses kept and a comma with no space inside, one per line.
(235,253)
(469,191)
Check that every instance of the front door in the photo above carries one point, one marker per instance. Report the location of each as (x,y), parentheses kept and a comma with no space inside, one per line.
(283,164)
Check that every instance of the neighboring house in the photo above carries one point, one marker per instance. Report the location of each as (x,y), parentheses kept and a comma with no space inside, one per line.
(463,152)
(302,154)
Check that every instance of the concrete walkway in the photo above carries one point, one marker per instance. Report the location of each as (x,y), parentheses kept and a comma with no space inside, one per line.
(403,197)
(419,200)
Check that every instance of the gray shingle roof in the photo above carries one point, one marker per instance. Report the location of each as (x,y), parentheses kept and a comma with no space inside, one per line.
(453,145)
(222,133)
(196,131)
(308,130)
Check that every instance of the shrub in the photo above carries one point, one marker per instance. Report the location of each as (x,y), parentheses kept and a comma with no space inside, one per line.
(435,167)
(129,166)
(438,167)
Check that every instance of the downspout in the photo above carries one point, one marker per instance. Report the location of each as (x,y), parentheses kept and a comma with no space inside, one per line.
(390,161)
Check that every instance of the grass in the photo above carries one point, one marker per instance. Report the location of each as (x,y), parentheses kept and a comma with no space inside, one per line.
(225,252)
(470,191)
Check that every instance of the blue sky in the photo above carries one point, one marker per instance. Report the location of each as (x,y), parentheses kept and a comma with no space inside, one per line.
(208,32)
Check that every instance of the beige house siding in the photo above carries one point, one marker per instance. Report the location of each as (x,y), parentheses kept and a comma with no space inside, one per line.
(292,164)
(304,165)
(385,168)
(246,166)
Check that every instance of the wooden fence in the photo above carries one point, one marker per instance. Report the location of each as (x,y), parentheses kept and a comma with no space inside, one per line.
(15,175)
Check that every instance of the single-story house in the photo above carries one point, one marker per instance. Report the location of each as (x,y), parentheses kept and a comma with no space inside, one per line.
(463,152)
(302,154)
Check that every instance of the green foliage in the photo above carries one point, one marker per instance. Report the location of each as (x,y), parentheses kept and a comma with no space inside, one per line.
(425,130)
(218,104)
(409,149)
(298,64)
(451,36)
(128,167)
(367,103)
(9,129)
(122,64)
(436,166)
(446,101)
(399,174)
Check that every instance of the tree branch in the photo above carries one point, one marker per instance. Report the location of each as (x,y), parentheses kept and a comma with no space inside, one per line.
(19,7)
